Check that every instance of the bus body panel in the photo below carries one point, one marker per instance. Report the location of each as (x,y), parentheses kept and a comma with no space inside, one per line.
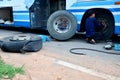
(79,7)
(21,18)
(20,8)
(21,13)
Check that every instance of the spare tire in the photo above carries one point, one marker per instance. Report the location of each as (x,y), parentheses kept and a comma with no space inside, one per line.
(20,44)
(62,25)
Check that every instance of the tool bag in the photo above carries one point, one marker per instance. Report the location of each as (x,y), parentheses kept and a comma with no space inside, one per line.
(21,43)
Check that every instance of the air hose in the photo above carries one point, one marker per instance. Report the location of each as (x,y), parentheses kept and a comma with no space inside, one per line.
(79,53)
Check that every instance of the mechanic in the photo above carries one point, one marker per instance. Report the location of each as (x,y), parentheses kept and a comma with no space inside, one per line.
(91,25)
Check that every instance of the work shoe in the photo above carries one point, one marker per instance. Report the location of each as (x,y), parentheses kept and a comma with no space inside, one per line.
(2,21)
(108,45)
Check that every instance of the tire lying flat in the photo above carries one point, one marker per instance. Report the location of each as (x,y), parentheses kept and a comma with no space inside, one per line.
(28,45)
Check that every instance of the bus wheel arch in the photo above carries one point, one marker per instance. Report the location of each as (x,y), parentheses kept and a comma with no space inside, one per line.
(104,16)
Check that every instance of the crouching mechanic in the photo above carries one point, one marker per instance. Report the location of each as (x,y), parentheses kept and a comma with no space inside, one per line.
(91,25)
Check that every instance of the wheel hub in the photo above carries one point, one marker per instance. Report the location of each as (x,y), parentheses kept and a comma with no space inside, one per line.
(62,24)
(104,23)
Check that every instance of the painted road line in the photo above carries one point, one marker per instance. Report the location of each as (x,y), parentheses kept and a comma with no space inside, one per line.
(86,70)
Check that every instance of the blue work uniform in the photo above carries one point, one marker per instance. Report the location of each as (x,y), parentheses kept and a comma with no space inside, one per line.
(90,25)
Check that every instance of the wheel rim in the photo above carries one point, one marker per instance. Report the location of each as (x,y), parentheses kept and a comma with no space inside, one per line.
(104,22)
(62,24)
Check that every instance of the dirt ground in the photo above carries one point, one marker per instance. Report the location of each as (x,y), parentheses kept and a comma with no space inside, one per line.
(39,66)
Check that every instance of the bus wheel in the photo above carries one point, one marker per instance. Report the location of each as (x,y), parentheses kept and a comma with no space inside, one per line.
(62,25)
(108,23)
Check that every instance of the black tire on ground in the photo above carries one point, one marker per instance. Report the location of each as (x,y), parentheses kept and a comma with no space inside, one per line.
(62,25)
(28,45)
(108,22)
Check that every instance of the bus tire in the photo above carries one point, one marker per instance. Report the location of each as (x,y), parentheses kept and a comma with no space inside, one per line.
(62,25)
(9,44)
(108,22)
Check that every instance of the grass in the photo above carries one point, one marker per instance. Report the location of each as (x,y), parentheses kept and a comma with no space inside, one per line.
(8,71)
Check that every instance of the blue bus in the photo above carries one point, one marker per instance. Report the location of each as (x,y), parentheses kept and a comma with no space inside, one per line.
(62,18)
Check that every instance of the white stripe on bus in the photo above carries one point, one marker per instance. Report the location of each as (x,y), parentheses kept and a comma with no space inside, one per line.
(21,20)
(116,24)
(20,13)
(81,13)
(99,6)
